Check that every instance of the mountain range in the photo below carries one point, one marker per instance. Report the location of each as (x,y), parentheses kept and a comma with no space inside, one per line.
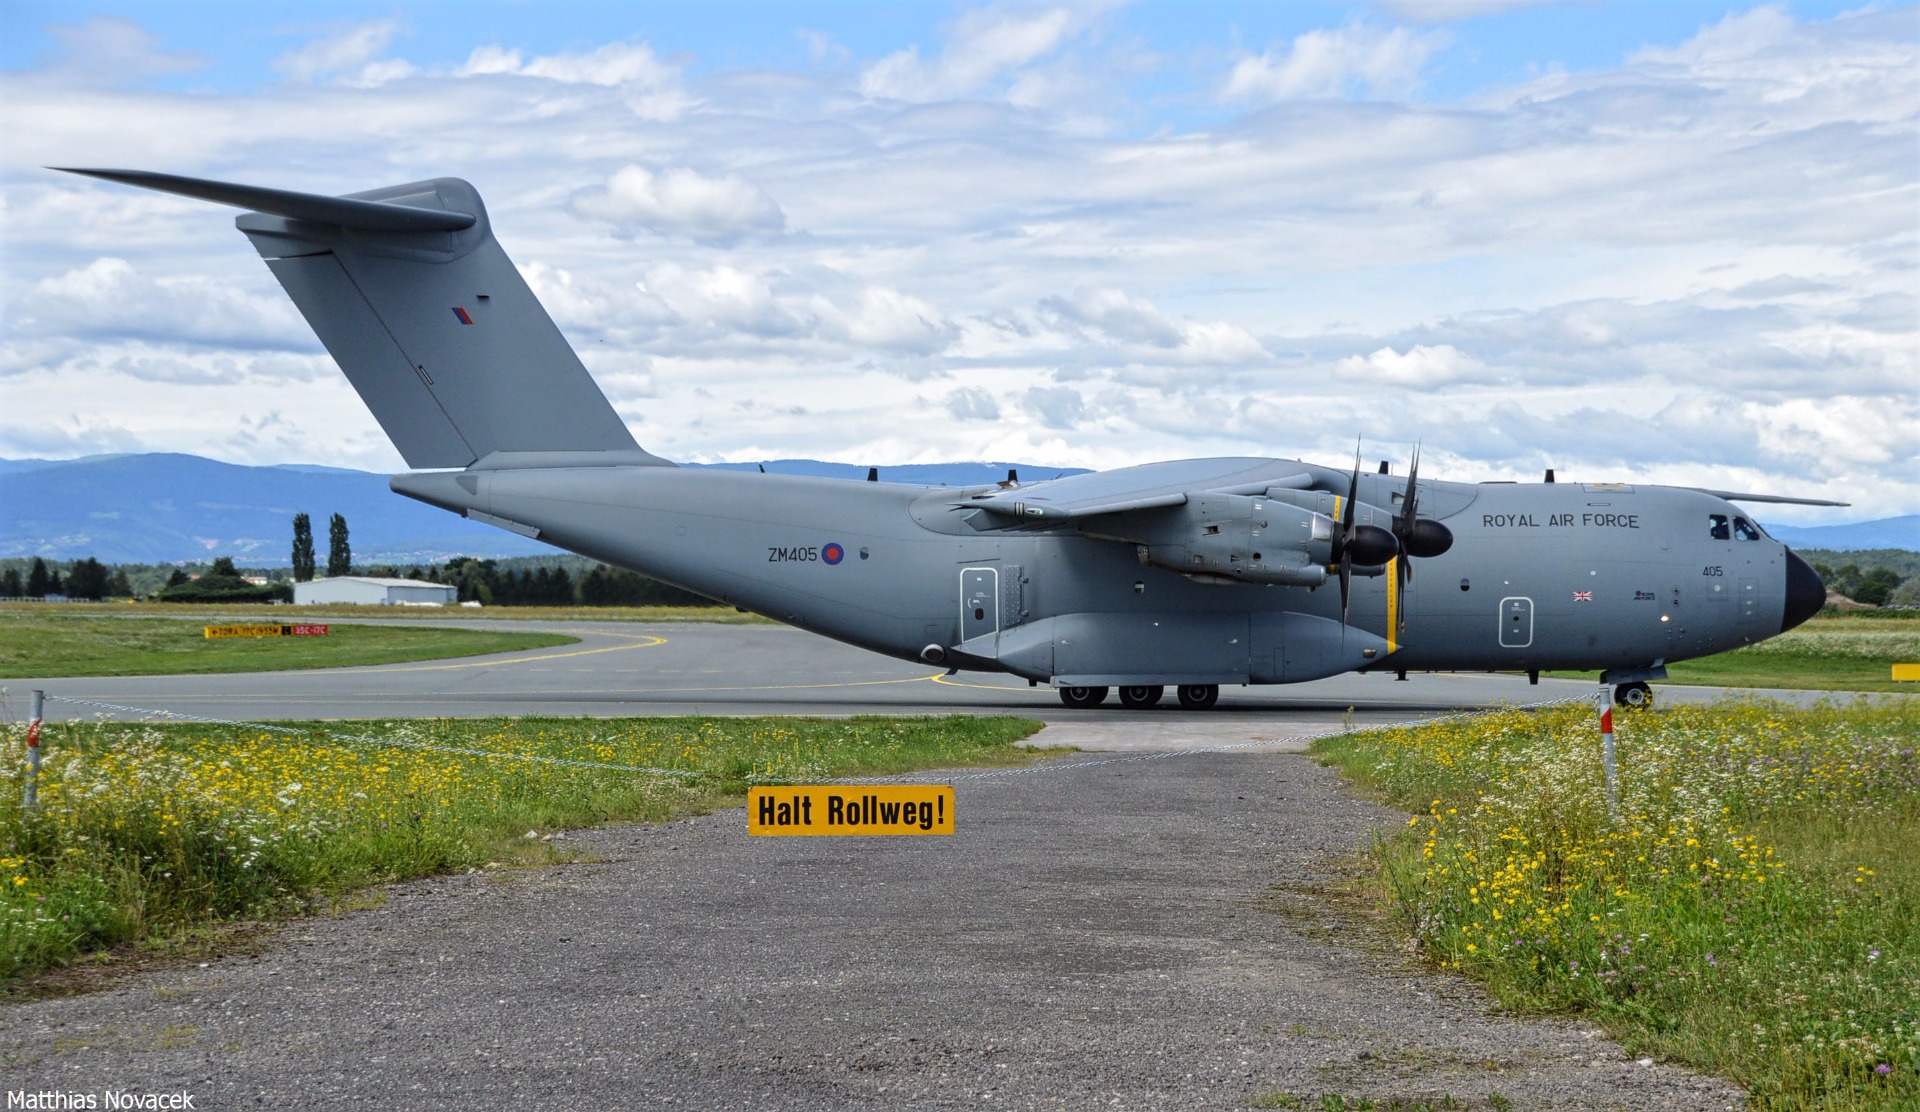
(164,508)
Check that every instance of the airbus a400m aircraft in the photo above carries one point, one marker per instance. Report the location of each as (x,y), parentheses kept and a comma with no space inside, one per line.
(1191,574)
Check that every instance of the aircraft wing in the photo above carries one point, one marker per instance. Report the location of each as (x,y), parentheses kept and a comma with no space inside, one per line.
(1735,496)
(1149,486)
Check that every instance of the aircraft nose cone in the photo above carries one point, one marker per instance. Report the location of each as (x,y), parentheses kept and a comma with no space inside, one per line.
(1805,593)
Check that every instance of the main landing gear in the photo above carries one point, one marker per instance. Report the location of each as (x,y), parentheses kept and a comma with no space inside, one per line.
(1199,696)
(1083,696)
(1633,696)
(1193,696)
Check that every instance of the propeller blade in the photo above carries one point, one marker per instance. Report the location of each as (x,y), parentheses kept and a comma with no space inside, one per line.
(1346,589)
(1407,501)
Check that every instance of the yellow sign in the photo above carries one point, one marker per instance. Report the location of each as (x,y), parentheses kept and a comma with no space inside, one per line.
(1906,671)
(265,631)
(851,809)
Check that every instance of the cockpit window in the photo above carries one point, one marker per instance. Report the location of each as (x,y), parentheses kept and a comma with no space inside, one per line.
(1743,529)
(1717,527)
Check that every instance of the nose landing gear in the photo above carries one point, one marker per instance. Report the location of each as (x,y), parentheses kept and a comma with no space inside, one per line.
(1633,696)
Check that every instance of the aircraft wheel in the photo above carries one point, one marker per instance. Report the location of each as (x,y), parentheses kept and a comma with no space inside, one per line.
(1199,696)
(1141,697)
(1083,696)
(1633,696)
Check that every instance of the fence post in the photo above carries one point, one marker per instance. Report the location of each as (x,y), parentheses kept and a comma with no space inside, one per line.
(1606,752)
(32,799)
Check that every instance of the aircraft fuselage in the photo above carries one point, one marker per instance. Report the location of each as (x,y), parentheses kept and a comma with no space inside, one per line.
(1540,576)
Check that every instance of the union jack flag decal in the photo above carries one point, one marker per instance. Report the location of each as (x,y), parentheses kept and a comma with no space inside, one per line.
(1583,596)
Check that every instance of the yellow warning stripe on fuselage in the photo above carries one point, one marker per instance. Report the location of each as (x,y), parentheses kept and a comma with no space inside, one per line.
(1393,606)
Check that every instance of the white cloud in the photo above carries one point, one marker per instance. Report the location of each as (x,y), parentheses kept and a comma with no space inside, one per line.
(1448,11)
(1058,407)
(1420,367)
(685,202)
(110,297)
(1136,327)
(351,55)
(982,46)
(971,403)
(1324,63)
(1703,248)
(111,50)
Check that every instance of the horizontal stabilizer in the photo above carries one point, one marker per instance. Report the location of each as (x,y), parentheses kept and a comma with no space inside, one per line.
(345,212)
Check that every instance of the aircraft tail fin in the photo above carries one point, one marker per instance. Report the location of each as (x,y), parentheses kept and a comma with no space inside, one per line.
(428,318)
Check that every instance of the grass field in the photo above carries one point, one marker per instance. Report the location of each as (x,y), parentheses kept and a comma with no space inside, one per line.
(723,614)
(1829,653)
(1754,912)
(47,642)
(147,831)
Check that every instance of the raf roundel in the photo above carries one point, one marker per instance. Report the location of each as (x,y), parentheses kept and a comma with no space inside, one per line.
(833,553)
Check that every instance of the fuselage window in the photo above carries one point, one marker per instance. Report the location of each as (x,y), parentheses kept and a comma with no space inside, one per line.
(1743,529)
(1717,527)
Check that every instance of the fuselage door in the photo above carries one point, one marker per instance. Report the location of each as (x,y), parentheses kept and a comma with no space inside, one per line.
(979,602)
(1516,623)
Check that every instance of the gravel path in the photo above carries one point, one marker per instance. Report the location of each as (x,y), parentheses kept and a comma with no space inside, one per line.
(1138,936)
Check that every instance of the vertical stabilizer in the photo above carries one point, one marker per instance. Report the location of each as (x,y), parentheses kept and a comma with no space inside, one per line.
(427,316)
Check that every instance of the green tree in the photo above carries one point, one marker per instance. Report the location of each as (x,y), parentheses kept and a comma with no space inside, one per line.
(1874,586)
(223,567)
(120,586)
(178,577)
(302,548)
(87,579)
(339,553)
(10,585)
(37,583)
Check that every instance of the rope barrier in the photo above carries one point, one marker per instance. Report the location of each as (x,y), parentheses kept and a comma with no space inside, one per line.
(897,778)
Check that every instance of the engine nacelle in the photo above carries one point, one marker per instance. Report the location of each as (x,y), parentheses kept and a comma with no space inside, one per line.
(1235,537)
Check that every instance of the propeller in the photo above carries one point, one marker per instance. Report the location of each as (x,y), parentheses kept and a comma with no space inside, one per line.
(1366,545)
(1415,536)
(1371,546)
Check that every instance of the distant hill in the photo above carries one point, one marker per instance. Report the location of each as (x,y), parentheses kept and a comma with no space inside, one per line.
(1888,532)
(164,507)
(161,508)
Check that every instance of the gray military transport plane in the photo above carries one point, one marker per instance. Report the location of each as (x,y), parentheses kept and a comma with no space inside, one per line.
(1191,573)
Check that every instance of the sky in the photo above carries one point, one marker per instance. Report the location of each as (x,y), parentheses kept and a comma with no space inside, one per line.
(1645,242)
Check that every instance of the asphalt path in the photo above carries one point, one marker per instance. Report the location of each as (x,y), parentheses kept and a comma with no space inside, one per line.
(625,668)
(1158,933)
(1110,930)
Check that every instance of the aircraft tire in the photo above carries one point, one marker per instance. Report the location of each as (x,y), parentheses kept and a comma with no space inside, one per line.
(1083,696)
(1633,696)
(1199,696)
(1142,696)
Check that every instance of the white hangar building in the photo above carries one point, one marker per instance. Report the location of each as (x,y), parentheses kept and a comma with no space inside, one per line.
(365,590)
